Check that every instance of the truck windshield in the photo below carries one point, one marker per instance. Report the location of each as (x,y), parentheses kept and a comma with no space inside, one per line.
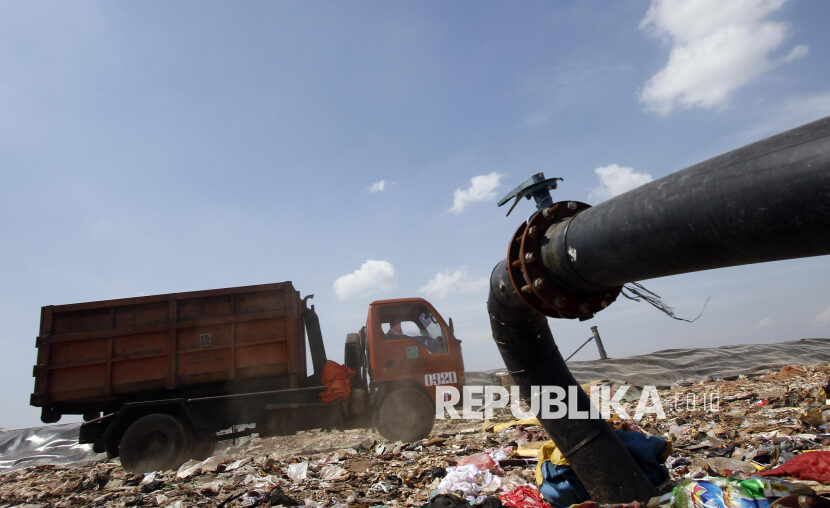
(414,322)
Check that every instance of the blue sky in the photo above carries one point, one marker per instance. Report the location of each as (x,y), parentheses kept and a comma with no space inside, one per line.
(157,147)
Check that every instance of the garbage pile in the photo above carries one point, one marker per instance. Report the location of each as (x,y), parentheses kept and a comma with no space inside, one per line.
(744,442)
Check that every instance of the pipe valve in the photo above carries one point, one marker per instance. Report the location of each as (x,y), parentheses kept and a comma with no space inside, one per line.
(536,187)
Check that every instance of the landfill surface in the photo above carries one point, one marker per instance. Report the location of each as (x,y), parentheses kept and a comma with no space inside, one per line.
(728,425)
(58,444)
(752,424)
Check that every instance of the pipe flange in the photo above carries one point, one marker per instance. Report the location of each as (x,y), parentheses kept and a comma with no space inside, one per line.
(528,275)
(517,277)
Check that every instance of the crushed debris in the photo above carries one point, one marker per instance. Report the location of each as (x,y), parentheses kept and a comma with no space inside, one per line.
(717,428)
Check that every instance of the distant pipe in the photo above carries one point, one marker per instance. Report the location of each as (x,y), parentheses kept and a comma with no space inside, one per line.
(594,337)
(600,346)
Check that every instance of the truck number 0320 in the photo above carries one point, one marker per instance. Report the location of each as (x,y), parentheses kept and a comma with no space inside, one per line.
(440,378)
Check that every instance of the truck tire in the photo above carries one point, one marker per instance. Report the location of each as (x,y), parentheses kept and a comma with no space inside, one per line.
(155,442)
(203,446)
(405,414)
(50,415)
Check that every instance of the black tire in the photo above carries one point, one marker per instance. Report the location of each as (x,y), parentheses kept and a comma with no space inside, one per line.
(203,446)
(406,414)
(50,415)
(155,442)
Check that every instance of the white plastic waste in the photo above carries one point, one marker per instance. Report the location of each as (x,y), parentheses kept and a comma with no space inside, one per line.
(298,471)
(471,482)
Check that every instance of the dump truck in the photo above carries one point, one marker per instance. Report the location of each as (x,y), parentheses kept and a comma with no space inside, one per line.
(159,379)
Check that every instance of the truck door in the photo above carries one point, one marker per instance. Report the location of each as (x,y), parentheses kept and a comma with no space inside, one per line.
(409,340)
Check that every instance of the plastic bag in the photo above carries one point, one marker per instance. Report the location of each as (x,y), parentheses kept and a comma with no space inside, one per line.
(713,492)
(482,461)
(525,496)
(470,482)
(298,471)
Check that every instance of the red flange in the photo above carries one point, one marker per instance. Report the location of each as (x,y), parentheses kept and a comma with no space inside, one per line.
(524,265)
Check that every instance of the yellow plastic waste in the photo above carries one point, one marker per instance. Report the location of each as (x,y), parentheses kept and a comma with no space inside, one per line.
(548,451)
(507,425)
(529,450)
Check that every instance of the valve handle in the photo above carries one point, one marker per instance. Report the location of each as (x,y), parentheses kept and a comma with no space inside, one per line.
(537,187)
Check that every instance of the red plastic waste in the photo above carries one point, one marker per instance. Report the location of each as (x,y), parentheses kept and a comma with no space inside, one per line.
(524,497)
(482,461)
(337,380)
(806,466)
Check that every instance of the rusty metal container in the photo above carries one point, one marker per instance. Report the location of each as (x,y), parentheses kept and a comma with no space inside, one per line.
(93,356)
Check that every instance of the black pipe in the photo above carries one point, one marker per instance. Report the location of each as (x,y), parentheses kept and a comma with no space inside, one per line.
(764,202)
(315,338)
(606,469)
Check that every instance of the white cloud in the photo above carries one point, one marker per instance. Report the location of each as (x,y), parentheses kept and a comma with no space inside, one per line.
(615,179)
(482,188)
(823,317)
(765,323)
(373,275)
(447,283)
(716,48)
(797,52)
(378,186)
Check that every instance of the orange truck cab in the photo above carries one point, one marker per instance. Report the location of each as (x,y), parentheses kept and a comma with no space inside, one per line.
(409,342)
(411,350)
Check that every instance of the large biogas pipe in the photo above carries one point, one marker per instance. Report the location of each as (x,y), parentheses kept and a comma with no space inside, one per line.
(766,201)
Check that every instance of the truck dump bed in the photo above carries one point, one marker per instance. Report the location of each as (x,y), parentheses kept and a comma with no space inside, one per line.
(93,356)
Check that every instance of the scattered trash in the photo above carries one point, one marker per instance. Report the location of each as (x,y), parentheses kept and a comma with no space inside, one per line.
(333,472)
(277,497)
(801,501)
(470,482)
(189,469)
(482,461)
(757,455)
(812,417)
(711,492)
(525,496)
(807,466)
(453,501)
(724,466)
(298,471)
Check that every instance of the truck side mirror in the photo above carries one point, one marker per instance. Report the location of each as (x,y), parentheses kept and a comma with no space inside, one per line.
(452,328)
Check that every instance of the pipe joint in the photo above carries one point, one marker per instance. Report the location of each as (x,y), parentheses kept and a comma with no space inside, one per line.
(537,284)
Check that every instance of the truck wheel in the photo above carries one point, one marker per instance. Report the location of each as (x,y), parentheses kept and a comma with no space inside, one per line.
(49,415)
(203,446)
(405,415)
(154,442)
